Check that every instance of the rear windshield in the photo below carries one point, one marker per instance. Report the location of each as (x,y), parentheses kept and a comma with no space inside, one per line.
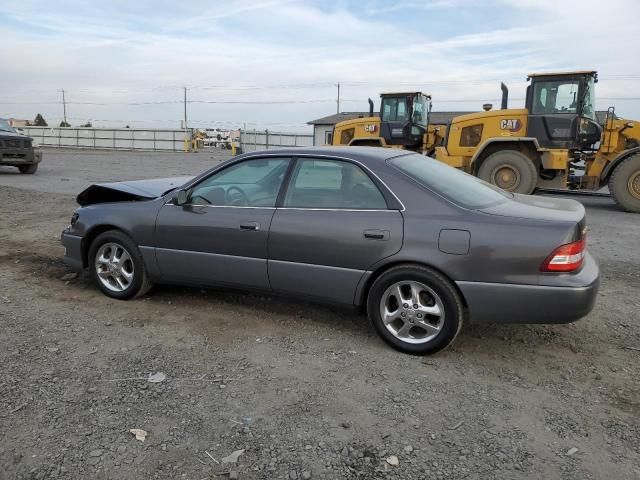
(459,187)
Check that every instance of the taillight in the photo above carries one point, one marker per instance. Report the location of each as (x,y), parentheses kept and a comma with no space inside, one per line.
(565,258)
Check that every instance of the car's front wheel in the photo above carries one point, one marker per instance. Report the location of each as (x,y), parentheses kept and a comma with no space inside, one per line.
(117,267)
(415,309)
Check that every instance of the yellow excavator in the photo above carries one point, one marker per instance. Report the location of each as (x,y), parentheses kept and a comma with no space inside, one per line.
(555,142)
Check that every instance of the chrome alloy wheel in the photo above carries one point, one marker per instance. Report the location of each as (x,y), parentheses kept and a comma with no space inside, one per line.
(114,267)
(412,312)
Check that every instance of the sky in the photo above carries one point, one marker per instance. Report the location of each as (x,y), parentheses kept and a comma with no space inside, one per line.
(275,64)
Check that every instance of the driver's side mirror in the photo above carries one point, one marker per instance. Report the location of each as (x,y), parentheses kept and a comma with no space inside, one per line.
(181,198)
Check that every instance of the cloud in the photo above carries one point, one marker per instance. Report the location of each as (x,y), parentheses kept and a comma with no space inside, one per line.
(118,53)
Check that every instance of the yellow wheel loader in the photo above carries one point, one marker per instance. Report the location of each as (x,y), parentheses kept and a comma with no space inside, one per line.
(403,123)
(555,142)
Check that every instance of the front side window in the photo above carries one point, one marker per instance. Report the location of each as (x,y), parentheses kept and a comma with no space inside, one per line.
(421,108)
(555,97)
(251,183)
(589,100)
(332,184)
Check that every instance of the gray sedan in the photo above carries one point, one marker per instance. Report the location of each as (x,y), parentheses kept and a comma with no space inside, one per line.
(422,247)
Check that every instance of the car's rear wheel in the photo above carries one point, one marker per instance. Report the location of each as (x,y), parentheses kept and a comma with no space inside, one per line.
(624,184)
(415,309)
(117,267)
(510,170)
(28,169)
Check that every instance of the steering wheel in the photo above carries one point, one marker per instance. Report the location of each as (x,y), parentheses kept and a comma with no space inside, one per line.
(197,198)
(235,196)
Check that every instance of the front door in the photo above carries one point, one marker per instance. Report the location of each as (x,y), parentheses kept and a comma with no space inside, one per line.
(220,236)
(334,225)
(553,112)
(395,125)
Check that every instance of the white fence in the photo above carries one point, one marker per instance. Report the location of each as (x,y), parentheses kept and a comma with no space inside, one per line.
(252,140)
(110,138)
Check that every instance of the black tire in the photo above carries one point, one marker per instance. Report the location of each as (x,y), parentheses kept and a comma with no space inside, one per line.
(28,169)
(510,170)
(624,184)
(139,284)
(449,297)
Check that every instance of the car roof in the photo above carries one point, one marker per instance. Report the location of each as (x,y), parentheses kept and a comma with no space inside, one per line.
(361,154)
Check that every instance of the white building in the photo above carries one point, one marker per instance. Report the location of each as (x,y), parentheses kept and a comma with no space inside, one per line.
(323,127)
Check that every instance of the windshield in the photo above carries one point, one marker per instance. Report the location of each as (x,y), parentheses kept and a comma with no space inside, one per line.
(589,99)
(421,110)
(460,188)
(5,127)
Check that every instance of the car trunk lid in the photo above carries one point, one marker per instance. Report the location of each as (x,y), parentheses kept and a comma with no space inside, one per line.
(539,208)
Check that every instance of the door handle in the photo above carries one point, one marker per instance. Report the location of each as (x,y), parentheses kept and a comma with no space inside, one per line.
(250,226)
(376,234)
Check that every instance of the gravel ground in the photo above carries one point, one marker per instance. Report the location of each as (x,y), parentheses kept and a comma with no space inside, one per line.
(303,391)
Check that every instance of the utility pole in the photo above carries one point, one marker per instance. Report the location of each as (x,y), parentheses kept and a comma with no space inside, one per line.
(185,109)
(64,107)
(187,141)
(338,99)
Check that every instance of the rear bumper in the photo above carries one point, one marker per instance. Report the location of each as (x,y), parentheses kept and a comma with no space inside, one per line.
(72,250)
(515,303)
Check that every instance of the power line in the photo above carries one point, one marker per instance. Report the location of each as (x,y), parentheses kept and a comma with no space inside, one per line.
(324,84)
(267,102)
(168,102)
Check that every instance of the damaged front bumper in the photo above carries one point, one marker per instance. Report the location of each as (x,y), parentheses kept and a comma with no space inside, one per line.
(72,250)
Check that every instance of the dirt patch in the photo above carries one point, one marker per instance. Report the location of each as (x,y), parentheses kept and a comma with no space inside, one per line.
(306,391)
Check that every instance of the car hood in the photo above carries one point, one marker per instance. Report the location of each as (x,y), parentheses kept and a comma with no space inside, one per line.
(5,134)
(129,191)
(540,208)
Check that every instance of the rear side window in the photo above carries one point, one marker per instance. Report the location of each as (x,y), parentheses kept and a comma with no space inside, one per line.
(334,184)
(458,187)
(470,136)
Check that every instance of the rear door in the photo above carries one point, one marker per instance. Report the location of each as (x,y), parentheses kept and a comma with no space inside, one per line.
(333,225)
(220,236)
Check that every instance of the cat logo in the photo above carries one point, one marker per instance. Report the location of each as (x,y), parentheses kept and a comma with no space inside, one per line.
(370,127)
(511,124)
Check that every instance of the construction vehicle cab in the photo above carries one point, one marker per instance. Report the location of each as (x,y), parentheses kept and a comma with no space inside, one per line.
(555,142)
(403,122)
(404,118)
(562,110)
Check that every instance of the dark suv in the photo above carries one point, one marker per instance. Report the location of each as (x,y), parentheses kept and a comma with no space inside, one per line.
(18,150)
